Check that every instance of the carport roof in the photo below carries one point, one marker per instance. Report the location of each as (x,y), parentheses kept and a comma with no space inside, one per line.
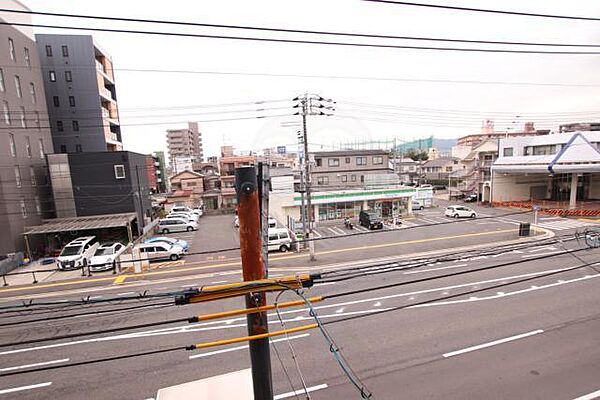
(81,223)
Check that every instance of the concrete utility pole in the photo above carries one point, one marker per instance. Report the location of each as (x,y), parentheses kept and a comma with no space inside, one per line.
(253,268)
(302,193)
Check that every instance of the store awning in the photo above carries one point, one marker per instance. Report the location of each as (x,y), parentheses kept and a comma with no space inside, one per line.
(81,223)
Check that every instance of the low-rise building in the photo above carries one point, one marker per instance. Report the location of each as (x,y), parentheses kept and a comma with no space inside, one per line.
(563,168)
(439,170)
(227,165)
(160,170)
(579,126)
(347,168)
(188,180)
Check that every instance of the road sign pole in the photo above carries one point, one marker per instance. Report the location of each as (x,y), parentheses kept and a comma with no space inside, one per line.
(253,268)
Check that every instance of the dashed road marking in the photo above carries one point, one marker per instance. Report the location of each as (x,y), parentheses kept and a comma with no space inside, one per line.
(20,388)
(494,343)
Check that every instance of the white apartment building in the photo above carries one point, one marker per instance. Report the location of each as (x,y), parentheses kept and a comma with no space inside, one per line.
(185,143)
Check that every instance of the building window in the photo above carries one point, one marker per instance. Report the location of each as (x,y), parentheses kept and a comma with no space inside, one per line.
(27,146)
(344,178)
(2,86)
(361,160)
(59,126)
(23,208)
(63,148)
(32,93)
(13,146)
(333,162)
(68,76)
(362,179)
(377,160)
(18,86)
(41,143)
(11,49)
(6,113)
(65,51)
(353,178)
(22,116)
(78,148)
(76,126)
(52,76)
(319,162)
(72,101)
(323,180)
(48,51)
(32,176)
(38,205)
(448,169)
(27,58)
(18,177)
(56,101)
(347,160)
(119,171)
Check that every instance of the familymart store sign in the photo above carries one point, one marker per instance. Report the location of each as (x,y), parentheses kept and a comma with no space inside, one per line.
(362,195)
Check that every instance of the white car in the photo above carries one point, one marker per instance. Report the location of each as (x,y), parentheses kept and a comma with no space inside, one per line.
(279,239)
(460,212)
(161,251)
(272,222)
(189,216)
(77,253)
(107,256)
(174,224)
(417,205)
(236,222)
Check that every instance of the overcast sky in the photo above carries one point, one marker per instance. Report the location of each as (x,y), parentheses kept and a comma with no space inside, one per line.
(469,103)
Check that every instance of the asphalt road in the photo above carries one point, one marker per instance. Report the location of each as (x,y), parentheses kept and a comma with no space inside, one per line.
(535,339)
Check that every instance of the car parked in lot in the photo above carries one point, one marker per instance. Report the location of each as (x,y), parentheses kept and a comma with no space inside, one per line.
(161,251)
(472,198)
(107,256)
(370,220)
(196,211)
(188,216)
(174,224)
(418,205)
(460,212)
(279,239)
(172,241)
(77,253)
(272,222)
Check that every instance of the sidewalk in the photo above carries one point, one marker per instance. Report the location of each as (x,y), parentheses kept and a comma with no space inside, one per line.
(35,272)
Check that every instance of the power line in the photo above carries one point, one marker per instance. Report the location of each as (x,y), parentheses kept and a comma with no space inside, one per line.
(299,41)
(286,30)
(483,10)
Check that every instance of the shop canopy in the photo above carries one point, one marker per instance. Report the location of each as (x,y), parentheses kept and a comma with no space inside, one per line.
(81,223)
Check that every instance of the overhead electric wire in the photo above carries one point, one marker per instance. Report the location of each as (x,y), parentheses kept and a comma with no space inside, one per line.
(484,10)
(299,41)
(287,30)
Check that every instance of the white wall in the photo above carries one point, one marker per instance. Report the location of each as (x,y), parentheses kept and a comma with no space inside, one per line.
(460,151)
(515,187)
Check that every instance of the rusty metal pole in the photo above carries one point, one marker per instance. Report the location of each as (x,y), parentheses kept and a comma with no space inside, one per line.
(253,268)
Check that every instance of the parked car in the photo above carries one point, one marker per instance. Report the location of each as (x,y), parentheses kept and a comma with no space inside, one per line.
(272,222)
(181,209)
(472,198)
(106,256)
(418,205)
(172,241)
(188,216)
(174,224)
(439,187)
(279,239)
(198,211)
(236,222)
(370,220)
(77,253)
(161,251)
(426,186)
(460,212)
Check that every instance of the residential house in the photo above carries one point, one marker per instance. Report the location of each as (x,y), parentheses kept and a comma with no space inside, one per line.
(227,165)
(439,170)
(188,181)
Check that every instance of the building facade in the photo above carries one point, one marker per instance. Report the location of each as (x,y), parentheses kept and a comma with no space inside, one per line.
(348,168)
(227,165)
(579,126)
(101,183)
(25,196)
(160,170)
(81,95)
(185,143)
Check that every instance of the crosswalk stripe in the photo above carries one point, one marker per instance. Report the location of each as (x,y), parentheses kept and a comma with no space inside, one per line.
(361,228)
(332,231)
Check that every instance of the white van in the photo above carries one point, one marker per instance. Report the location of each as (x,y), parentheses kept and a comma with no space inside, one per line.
(77,253)
(176,225)
(161,251)
(418,205)
(279,239)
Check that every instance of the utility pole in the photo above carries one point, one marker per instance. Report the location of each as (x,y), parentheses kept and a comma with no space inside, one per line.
(253,268)
(302,192)
(141,222)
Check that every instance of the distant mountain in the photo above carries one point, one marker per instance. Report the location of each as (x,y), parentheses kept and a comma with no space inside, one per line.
(443,144)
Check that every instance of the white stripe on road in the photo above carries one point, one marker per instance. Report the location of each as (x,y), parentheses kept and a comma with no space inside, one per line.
(34,365)
(338,230)
(125,294)
(543,254)
(212,353)
(494,343)
(324,284)
(590,396)
(300,391)
(435,269)
(361,228)
(18,389)
(316,233)
(332,231)
(216,282)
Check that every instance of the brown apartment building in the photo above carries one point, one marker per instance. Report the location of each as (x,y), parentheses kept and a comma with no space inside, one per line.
(348,168)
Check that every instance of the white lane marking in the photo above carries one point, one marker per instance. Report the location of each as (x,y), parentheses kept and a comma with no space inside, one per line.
(338,230)
(378,304)
(94,297)
(434,269)
(332,231)
(18,389)
(542,249)
(589,396)
(125,294)
(494,343)
(300,392)
(34,365)
(543,254)
(212,353)
(340,310)
(217,282)
(361,228)
(316,233)
(324,284)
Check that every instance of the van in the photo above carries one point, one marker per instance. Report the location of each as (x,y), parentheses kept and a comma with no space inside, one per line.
(77,253)
(417,205)
(161,251)
(279,239)
(370,220)
(176,225)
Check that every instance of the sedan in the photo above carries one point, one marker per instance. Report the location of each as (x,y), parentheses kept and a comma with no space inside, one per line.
(172,241)
(460,212)
(106,257)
